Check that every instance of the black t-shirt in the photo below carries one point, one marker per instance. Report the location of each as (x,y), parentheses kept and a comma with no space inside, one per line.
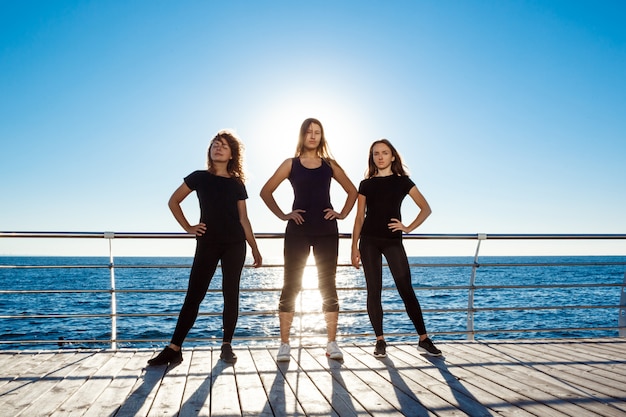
(218,197)
(311,188)
(384,197)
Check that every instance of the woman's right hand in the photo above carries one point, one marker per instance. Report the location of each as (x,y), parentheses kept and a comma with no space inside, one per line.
(356,258)
(197,230)
(295,216)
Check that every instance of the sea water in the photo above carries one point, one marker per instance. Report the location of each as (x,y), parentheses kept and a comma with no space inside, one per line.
(27,295)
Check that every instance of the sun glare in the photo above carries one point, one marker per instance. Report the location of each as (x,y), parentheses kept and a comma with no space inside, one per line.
(283,117)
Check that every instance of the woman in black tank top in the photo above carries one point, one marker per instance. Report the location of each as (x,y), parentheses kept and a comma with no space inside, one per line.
(311,223)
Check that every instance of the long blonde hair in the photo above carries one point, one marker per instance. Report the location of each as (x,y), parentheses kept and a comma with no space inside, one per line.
(235,166)
(322,150)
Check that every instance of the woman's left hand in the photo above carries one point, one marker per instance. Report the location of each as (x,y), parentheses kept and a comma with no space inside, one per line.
(258,259)
(330,214)
(396,225)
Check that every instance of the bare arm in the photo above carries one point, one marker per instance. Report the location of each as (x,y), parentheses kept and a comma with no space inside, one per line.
(247,228)
(425,211)
(356,230)
(267,193)
(174,204)
(340,176)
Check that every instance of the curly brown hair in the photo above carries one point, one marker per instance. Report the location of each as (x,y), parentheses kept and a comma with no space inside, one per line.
(235,165)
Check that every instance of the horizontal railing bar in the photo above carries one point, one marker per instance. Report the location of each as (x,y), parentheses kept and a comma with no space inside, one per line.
(179,235)
(415,265)
(351,289)
(348,289)
(343,312)
(62,342)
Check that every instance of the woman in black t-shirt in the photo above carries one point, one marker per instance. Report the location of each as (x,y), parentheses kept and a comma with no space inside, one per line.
(378,231)
(221,236)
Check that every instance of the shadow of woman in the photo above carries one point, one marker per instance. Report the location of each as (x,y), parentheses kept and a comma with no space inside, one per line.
(410,405)
(152,376)
(467,402)
(276,398)
(199,403)
(341,400)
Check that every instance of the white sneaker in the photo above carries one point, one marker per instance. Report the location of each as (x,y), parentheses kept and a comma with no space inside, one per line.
(333,351)
(283,353)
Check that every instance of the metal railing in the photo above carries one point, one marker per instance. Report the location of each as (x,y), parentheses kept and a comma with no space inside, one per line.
(471,288)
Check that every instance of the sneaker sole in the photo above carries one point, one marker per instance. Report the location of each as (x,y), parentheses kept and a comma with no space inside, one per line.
(378,355)
(424,351)
(335,357)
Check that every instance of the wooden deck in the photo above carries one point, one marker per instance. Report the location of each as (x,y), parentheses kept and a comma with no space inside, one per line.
(564,377)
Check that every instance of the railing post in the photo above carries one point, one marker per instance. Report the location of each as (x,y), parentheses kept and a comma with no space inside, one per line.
(621,322)
(110,236)
(470,294)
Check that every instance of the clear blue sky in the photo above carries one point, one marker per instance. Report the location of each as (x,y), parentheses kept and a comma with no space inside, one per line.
(511,115)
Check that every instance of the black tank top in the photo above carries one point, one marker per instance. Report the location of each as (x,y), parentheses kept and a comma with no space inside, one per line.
(311,188)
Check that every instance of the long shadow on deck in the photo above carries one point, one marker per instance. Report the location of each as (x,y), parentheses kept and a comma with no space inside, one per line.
(467,402)
(276,402)
(147,392)
(151,378)
(341,400)
(410,405)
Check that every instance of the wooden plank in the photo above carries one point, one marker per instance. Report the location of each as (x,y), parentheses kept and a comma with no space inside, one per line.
(142,393)
(410,391)
(528,375)
(368,388)
(312,400)
(489,392)
(600,360)
(224,395)
(583,389)
(21,364)
(196,399)
(327,375)
(252,395)
(8,363)
(575,369)
(167,401)
(502,400)
(614,348)
(281,399)
(82,367)
(81,400)
(115,394)
(465,387)
(26,390)
(508,376)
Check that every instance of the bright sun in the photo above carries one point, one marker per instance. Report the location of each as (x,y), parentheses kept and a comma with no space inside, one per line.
(284,115)
(277,126)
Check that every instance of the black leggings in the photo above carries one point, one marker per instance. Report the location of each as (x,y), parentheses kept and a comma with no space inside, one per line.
(205,262)
(325,250)
(372,251)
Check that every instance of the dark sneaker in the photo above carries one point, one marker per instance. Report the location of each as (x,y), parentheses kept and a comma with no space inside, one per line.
(227,354)
(381,349)
(426,346)
(168,356)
